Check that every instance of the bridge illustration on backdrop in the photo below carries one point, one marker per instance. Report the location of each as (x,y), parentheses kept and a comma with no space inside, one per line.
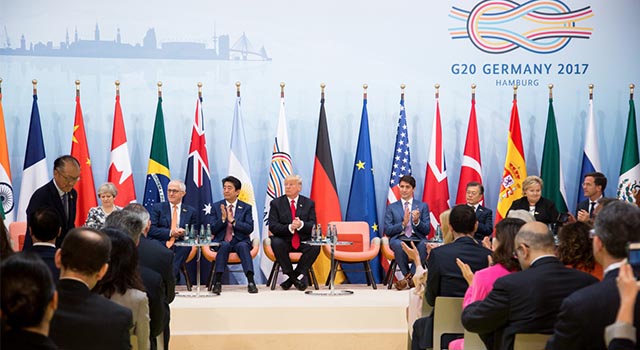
(241,50)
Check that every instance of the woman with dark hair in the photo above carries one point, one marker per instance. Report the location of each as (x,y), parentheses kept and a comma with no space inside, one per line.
(5,244)
(575,249)
(503,262)
(28,302)
(123,285)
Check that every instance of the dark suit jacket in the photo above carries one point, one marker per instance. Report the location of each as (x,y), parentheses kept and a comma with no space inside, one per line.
(586,313)
(157,257)
(546,211)
(155,294)
(48,256)
(18,339)
(394,215)
(485,222)
(524,302)
(241,229)
(280,217)
(47,196)
(444,277)
(584,205)
(86,320)
(161,220)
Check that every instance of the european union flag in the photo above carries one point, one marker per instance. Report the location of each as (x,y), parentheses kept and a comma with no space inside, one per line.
(362,197)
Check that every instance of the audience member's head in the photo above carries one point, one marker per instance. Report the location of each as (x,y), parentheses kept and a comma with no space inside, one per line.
(84,254)
(504,243)
(617,224)
(123,270)
(521,214)
(532,241)
(447,236)
(29,297)
(127,221)
(463,220)
(602,202)
(574,246)
(142,214)
(45,225)
(5,244)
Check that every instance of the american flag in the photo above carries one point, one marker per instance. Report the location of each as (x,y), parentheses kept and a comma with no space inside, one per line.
(401,156)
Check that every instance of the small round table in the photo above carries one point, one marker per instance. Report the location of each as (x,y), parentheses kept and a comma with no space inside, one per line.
(198,243)
(332,291)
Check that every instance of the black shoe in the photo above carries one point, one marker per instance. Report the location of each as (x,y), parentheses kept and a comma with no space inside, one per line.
(300,284)
(286,284)
(252,288)
(217,288)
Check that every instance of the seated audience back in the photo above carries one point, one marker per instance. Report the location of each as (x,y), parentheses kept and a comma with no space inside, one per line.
(45,229)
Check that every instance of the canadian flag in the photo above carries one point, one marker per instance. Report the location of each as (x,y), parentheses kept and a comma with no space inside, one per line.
(120,173)
(471,163)
(436,188)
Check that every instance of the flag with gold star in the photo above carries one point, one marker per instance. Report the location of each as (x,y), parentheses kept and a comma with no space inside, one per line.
(79,150)
(362,198)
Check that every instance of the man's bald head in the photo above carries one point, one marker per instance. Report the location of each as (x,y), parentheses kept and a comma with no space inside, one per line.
(532,241)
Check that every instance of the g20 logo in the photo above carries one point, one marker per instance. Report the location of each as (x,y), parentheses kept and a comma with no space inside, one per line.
(539,26)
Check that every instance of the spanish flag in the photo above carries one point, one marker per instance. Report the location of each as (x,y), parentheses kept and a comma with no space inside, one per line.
(515,168)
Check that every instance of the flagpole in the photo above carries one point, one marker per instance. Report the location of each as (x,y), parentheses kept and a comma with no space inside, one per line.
(117,88)
(515,92)
(35,86)
(364,94)
(590,91)
(473,92)
(0,89)
(322,86)
(631,87)
(238,89)
(402,86)
(199,90)
(282,90)
(159,89)
(551,91)
(77,88)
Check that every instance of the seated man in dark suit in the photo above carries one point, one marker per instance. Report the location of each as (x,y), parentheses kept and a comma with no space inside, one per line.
(475,193)
(131,224)
(231,225)
(168,222)
(407,219)
(86,320)
(526,301)
(593,187)
(59,195)
(45,228)
(291,218)
(444,277)
(576,328)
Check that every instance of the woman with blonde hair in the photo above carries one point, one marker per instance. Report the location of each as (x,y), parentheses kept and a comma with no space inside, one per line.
(107,193)
(543,209)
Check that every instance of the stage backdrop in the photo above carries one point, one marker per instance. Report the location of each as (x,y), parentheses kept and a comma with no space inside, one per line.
(494,44)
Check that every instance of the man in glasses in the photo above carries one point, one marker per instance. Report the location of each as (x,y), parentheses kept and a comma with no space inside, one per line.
(168,222)
(59,195)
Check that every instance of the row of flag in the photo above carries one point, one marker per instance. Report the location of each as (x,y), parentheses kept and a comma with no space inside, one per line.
(362,202)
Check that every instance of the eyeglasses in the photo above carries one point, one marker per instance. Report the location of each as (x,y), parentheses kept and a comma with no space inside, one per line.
(69,179)
(171,190)
(592,233)
(515,253)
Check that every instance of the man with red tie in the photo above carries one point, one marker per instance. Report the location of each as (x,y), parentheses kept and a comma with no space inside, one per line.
(291,219)
(231,225)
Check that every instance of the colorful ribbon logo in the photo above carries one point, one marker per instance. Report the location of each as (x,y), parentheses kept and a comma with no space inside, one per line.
(539,26)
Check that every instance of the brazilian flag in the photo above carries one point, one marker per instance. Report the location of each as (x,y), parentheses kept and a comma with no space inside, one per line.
(158,171)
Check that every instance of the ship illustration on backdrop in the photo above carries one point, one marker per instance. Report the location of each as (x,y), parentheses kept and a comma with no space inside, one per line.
(242,49)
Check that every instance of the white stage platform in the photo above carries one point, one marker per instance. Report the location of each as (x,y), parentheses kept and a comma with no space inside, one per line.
(278,319)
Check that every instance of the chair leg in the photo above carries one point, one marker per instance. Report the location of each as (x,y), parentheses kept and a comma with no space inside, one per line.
(370,280)
(333,268)
(313,278)
(273,269)
(211,273)
(276,270)
(186,276)
(391,273)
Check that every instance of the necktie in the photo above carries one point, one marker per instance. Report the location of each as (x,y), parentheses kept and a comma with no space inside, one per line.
(229,233)
(65,204)
(407,229)
(591,208)
(295,241)
(174,225)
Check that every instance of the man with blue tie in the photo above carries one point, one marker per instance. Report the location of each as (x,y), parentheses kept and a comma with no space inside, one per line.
(407,219)
(168,222)
(475,193)
(231,225)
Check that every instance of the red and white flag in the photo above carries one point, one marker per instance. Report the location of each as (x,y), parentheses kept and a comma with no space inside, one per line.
(471,163)
(436,187)
(120,173)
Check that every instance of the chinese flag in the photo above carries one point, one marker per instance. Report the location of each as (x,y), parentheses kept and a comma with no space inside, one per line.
(80,151)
